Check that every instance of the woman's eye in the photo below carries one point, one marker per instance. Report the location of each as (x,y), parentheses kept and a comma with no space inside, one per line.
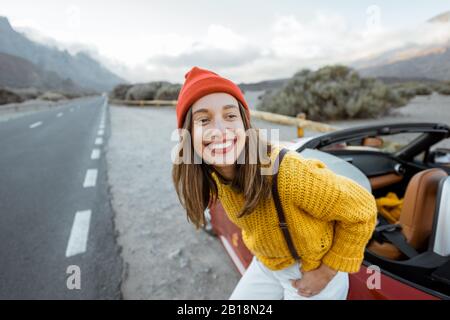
(232,116)
(203,120)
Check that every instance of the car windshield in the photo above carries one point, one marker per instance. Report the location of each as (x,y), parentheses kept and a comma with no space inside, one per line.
(388,143)
(442,152)
(441,144)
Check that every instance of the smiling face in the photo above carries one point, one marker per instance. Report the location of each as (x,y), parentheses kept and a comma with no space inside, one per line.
(218,131)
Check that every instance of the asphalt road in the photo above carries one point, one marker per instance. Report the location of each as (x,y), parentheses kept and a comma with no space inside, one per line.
(57,237)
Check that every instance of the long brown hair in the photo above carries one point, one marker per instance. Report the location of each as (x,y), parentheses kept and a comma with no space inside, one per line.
(196,188)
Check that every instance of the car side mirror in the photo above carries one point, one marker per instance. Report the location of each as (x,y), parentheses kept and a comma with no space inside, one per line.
(440,156)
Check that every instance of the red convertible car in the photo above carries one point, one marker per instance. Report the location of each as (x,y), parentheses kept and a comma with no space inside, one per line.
(408,259)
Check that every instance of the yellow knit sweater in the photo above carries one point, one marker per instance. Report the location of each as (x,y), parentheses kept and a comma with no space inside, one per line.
(330,217)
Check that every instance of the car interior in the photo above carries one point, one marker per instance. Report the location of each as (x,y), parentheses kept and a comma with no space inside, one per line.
(406,168)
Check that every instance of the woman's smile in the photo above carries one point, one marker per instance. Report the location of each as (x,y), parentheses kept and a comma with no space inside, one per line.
(222,147)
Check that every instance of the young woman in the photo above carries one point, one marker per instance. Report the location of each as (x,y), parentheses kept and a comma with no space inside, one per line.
(330,217)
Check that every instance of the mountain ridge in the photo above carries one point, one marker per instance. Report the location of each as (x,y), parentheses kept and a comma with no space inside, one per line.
(82,69)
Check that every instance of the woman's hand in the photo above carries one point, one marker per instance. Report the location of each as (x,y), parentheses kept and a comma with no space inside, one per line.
(314,281)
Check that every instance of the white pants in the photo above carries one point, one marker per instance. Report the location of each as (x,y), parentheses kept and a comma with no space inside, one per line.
(261,283)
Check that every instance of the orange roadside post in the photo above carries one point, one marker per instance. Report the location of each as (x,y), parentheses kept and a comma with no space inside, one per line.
(300,130)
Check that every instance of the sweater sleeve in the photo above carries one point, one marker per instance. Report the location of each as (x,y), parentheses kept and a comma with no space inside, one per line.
(332,197)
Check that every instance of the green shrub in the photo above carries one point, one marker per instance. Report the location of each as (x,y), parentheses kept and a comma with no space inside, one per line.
(332,93)
(119,91)
(443,88)
(168,92)
(156,90)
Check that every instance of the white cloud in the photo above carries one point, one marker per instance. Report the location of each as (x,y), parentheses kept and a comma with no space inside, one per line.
(291,38)
(293,44)
(289,45)
(220,49)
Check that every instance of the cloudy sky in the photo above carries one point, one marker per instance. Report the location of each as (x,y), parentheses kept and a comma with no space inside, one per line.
(247,40)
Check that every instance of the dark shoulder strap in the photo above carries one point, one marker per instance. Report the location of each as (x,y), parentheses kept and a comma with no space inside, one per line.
(276,198)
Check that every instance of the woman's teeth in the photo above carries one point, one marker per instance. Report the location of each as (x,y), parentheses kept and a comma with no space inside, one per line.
(221,145)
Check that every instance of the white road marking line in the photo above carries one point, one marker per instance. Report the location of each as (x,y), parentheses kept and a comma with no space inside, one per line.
(100,132)
(71,109)
(91,178)
(98,141)
(95,154)
(59,114)
(36,124)
(102,126)
(79,233)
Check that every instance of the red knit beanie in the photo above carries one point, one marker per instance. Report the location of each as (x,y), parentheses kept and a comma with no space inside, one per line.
(200,82)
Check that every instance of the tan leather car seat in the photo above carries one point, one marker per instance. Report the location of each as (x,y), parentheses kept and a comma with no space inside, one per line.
(417,213)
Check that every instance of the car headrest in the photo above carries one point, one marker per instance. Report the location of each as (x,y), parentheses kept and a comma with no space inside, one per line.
(419,206)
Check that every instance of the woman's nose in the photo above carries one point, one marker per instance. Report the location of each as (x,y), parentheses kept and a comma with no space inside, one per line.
(219,132)
(219,124)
